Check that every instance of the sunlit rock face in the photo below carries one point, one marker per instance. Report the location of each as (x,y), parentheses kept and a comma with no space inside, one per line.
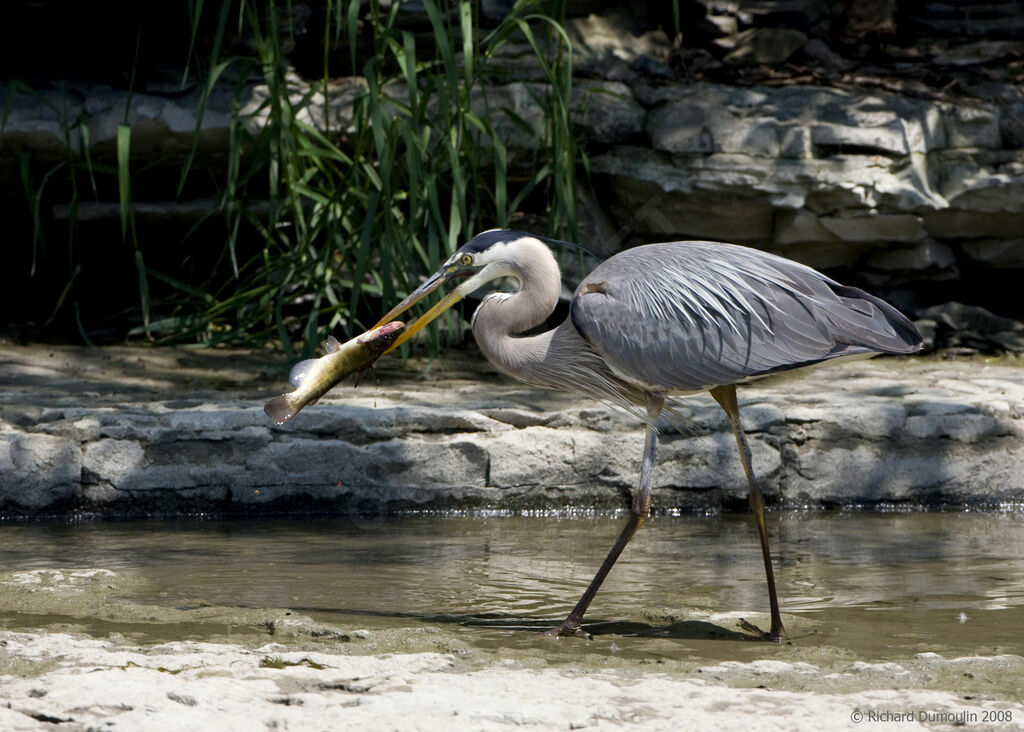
(176,431)
(904,188)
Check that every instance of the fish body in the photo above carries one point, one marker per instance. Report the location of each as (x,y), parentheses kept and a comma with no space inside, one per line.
(314,377)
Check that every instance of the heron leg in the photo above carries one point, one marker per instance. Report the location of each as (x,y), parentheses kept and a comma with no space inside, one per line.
(726,397)
(640,509)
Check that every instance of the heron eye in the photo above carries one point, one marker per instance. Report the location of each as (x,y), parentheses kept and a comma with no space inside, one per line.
(466,260)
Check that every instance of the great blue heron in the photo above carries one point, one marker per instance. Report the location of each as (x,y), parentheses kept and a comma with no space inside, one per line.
(656,321)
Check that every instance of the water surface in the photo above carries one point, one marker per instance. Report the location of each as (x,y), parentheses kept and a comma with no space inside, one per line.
(879,584)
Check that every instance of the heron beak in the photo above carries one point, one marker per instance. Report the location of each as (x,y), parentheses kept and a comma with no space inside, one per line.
(418,294)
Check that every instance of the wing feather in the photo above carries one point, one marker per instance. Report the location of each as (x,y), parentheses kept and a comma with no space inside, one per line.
(691,315)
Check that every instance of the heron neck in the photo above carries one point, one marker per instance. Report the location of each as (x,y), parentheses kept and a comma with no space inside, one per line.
(558,358)
(502,317)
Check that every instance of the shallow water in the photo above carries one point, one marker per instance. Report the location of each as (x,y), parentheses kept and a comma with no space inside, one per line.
(881,585)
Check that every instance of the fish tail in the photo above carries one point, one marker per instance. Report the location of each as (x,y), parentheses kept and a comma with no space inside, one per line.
(280,409)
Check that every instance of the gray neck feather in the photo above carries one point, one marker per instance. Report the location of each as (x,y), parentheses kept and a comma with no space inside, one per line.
(501,317)
(559,358)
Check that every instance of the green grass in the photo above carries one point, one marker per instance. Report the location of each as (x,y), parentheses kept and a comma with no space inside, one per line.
(357,216)
(327,223)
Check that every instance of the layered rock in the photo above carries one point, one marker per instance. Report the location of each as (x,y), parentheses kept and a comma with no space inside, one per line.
(881,142)
(907,188)
(834,178)
(917,432)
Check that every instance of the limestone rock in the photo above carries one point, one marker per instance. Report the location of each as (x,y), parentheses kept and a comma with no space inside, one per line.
(913,189)
(764,46)
(928,254)
(37,469)
(830,176)
(973,327)
(957,316)
(925,432)
(599,40)
(878,227)
(1008,253)
(605,112)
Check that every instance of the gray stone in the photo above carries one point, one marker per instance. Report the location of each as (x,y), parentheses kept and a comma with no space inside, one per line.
(736,197)
(709,463)
(703,160)
(995,252)
(605,111)
(114,462)
(1012,341)
(542,456)
(655,215)
(37,470)
(600,40)
(890,430)
(795,142)
(709,119)
(884,139)
(873,171)
(800,227)
(982,185)
(1011,125)
(724,25)
(521,120)
(958,326)
(928,254)
(972,125)
(957,316)
(927,327)
(878,227)
(985,51)
(764,46)
(992,228)
(820,52)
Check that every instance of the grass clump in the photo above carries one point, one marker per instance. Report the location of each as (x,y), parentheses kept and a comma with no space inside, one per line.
(352,209)
(336,189)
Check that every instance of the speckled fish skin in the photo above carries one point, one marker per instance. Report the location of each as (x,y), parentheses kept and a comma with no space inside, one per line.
(316,376)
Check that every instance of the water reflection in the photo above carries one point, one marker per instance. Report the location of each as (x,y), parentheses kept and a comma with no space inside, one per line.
(956,579)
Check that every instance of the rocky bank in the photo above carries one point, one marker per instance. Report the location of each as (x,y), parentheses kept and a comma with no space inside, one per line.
(131,431)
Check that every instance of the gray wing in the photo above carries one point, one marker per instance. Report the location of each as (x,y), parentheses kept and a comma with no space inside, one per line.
(692,315)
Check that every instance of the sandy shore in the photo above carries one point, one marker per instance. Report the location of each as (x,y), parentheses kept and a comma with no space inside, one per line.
(85,657)
(82,683)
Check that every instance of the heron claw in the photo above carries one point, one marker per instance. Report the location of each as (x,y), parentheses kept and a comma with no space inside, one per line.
(775,636)
(568,630)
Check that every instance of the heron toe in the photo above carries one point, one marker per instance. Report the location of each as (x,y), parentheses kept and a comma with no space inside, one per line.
(775,635)
(567,630)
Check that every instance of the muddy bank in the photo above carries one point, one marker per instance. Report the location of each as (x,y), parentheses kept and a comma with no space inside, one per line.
(89,683)
(77,651)
(124,431)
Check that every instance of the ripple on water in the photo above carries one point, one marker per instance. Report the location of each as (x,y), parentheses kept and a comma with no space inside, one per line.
(879,583)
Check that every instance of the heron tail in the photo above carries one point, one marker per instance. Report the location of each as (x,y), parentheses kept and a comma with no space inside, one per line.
(888,330)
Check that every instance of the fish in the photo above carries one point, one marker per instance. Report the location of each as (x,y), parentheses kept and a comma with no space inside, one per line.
(314,377)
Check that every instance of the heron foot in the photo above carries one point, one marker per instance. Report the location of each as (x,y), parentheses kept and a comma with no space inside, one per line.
(776,635)
(568,630)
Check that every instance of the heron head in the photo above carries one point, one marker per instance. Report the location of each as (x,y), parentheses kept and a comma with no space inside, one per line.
(485,257)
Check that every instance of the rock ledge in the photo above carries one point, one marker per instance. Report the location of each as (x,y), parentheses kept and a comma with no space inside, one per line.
(127,431)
